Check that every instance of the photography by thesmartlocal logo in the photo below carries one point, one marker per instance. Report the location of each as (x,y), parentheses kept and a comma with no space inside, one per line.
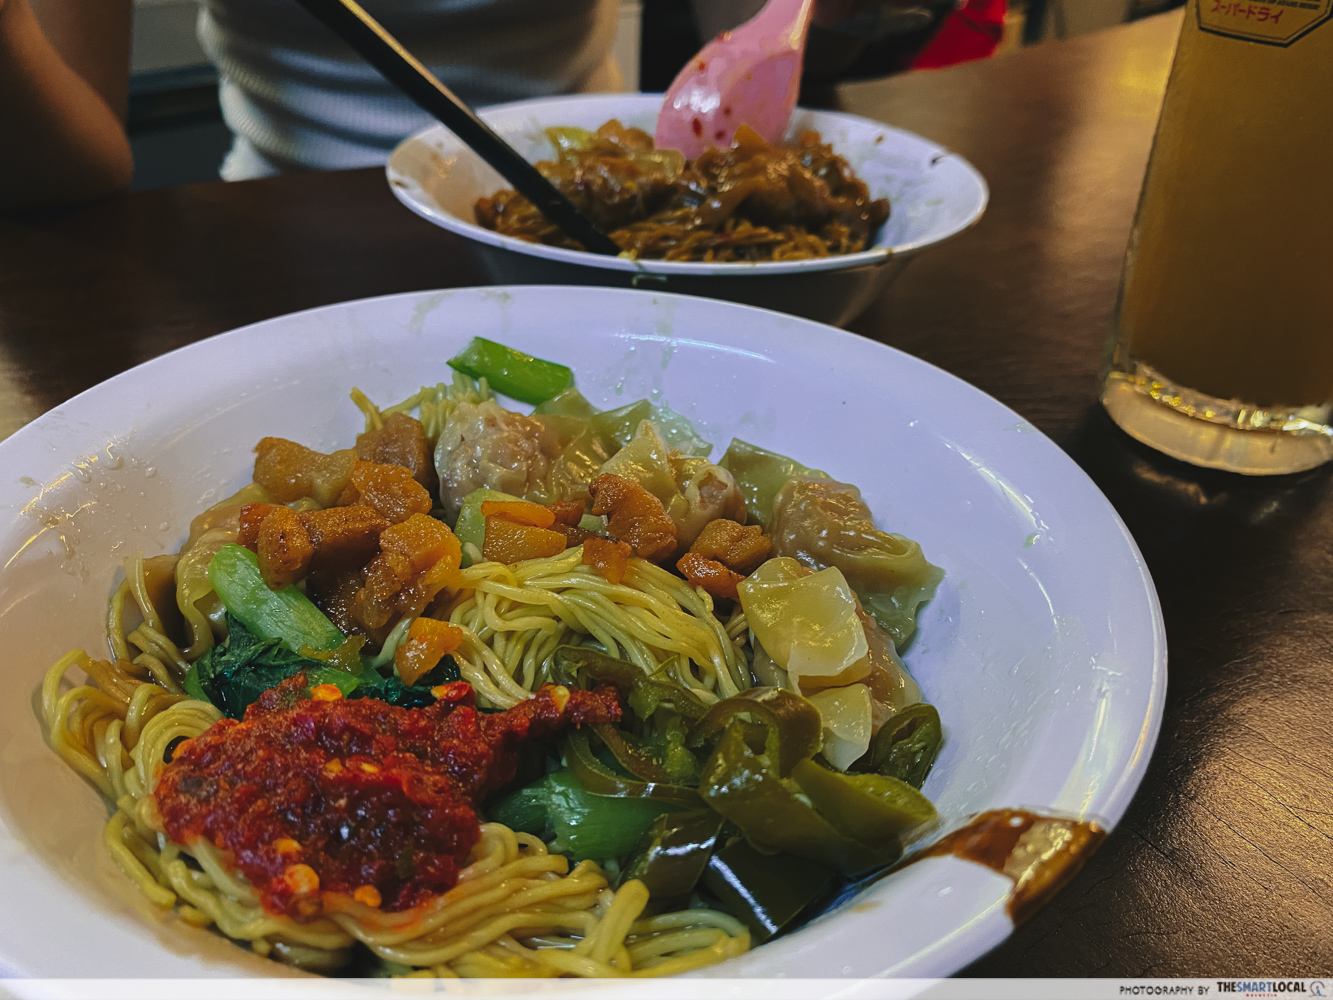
(1272,987)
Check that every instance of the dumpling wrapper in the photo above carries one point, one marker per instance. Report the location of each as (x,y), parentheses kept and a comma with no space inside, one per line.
(806,623)
(846,717)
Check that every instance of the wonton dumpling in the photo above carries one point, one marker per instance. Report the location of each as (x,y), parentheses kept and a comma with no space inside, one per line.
(483,445)
(822,522)
(693,490)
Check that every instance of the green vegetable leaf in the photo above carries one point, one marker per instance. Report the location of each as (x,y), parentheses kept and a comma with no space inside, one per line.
(583,824)
(232,676)
(395,692)
(286,615)
(513,373)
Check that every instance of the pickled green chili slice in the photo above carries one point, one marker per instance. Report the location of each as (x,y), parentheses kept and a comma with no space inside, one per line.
(512,373)
(633,759)
(744,787)
(671,856)
(792,725)
(870,807)
(581,666)
(905,746)
(667,743)
(765,891)
(599,779)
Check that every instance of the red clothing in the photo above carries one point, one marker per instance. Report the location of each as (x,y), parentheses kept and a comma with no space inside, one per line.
(970,33)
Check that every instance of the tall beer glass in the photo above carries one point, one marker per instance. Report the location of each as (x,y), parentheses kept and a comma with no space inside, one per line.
(1223,349)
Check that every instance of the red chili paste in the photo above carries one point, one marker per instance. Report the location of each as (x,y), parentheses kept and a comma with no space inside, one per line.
(310,797)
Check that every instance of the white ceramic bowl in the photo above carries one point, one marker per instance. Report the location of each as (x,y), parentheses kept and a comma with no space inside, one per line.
(1043,649)
(934,194)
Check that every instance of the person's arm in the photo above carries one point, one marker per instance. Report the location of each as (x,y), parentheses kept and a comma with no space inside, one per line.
(63,84)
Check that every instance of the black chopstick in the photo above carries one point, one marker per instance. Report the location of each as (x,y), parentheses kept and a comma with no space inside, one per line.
(379,48)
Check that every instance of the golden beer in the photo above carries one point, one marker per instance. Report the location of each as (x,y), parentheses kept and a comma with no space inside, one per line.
(1223,354)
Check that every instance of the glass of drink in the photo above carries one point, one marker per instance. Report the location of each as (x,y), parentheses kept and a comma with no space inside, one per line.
(1223,349)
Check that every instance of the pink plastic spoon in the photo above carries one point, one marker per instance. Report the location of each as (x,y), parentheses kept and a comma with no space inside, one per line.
(750,75)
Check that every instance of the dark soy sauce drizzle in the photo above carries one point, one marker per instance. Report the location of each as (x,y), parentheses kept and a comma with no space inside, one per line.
(1039,853)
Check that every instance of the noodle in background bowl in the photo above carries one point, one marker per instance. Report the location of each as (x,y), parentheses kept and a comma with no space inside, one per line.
(934,195)
(1043,650)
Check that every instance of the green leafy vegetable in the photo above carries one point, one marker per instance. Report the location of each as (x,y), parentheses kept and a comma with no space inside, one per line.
(392,689)
(234,674)
(285,615)
(512,373)
(584,824)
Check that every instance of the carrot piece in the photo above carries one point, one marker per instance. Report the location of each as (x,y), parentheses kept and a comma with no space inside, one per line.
(609,558)
(519,511)
(507,542)
(427,643)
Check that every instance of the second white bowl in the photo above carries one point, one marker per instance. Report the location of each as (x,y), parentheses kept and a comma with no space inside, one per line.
(934,194)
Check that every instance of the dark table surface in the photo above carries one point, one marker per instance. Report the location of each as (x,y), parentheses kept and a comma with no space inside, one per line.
(1223,865)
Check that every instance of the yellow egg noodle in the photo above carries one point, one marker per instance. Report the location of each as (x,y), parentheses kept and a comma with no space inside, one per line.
(519,615)
(517,910)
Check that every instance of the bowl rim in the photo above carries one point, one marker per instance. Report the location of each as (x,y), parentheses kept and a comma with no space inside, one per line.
(407,191)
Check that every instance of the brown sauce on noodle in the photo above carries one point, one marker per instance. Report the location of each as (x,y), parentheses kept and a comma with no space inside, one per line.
(751,201)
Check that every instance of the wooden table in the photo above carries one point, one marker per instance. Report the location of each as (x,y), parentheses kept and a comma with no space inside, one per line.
(1223,865)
